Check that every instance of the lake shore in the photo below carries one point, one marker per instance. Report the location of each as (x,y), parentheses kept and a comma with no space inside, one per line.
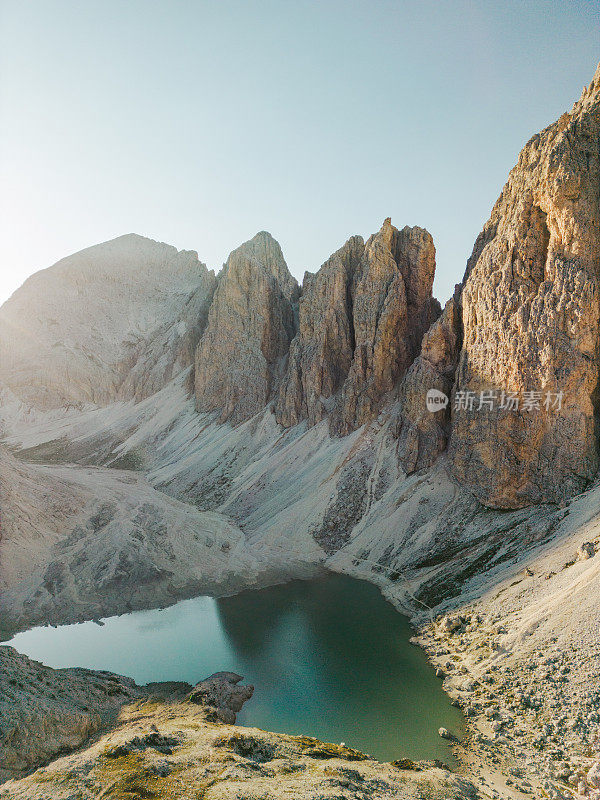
(329,658)
(511,663)
(522,661)
(162,745)
(491,570)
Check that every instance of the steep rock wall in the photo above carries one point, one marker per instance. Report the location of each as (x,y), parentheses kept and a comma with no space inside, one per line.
(530,312)
(362,318)
(250,326)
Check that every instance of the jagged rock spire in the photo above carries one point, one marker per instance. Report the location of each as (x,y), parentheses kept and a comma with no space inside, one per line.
(250,326)
(362,317)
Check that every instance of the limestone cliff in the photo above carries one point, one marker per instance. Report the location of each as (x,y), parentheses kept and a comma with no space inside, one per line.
(521,328)
(321,353)
(362,318)
(250,326)
(423,435)
(392,308)
(530,311)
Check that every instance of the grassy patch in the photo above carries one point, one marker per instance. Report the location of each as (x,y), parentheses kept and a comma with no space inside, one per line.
(313,748)
(131,460)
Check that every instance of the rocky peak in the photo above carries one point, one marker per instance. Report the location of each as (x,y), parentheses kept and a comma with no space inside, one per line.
(262,254)
(530,315)
(250,326)
(392,308)
(322,351)
(362,317)
(115,321)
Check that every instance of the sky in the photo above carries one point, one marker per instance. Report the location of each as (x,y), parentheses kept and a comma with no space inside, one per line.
(201,123)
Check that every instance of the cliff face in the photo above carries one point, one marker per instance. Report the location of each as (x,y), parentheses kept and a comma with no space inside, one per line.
(422,434)
(48,712)
(362,317)
(250,326)
(115,321)
(516,348)
(321,353)
(392,309)
(530,323)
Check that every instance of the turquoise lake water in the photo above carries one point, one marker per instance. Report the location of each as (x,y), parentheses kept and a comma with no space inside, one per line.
(328,658)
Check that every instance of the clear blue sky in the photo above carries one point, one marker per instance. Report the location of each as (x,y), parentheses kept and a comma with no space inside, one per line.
(200,123)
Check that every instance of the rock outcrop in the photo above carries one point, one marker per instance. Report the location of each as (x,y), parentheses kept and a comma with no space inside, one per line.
(46,712)
(223,695)
(165,746)
(250,326)
(392,308)
(530,314)
(321,353)
(362,318)
(114,321)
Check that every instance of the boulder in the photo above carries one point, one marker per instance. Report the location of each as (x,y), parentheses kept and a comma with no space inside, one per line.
(221,695)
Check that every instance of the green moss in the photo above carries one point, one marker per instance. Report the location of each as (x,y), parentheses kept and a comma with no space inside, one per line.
(128,778)
(406,763)
(313,748)
(132,460)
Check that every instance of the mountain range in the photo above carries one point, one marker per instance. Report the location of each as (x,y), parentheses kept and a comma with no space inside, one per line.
(168,432)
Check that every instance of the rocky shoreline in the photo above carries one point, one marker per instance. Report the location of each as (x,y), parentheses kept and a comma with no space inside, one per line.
(527,683)
(529,696)
(529,726)
(172,740)
(525,735)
